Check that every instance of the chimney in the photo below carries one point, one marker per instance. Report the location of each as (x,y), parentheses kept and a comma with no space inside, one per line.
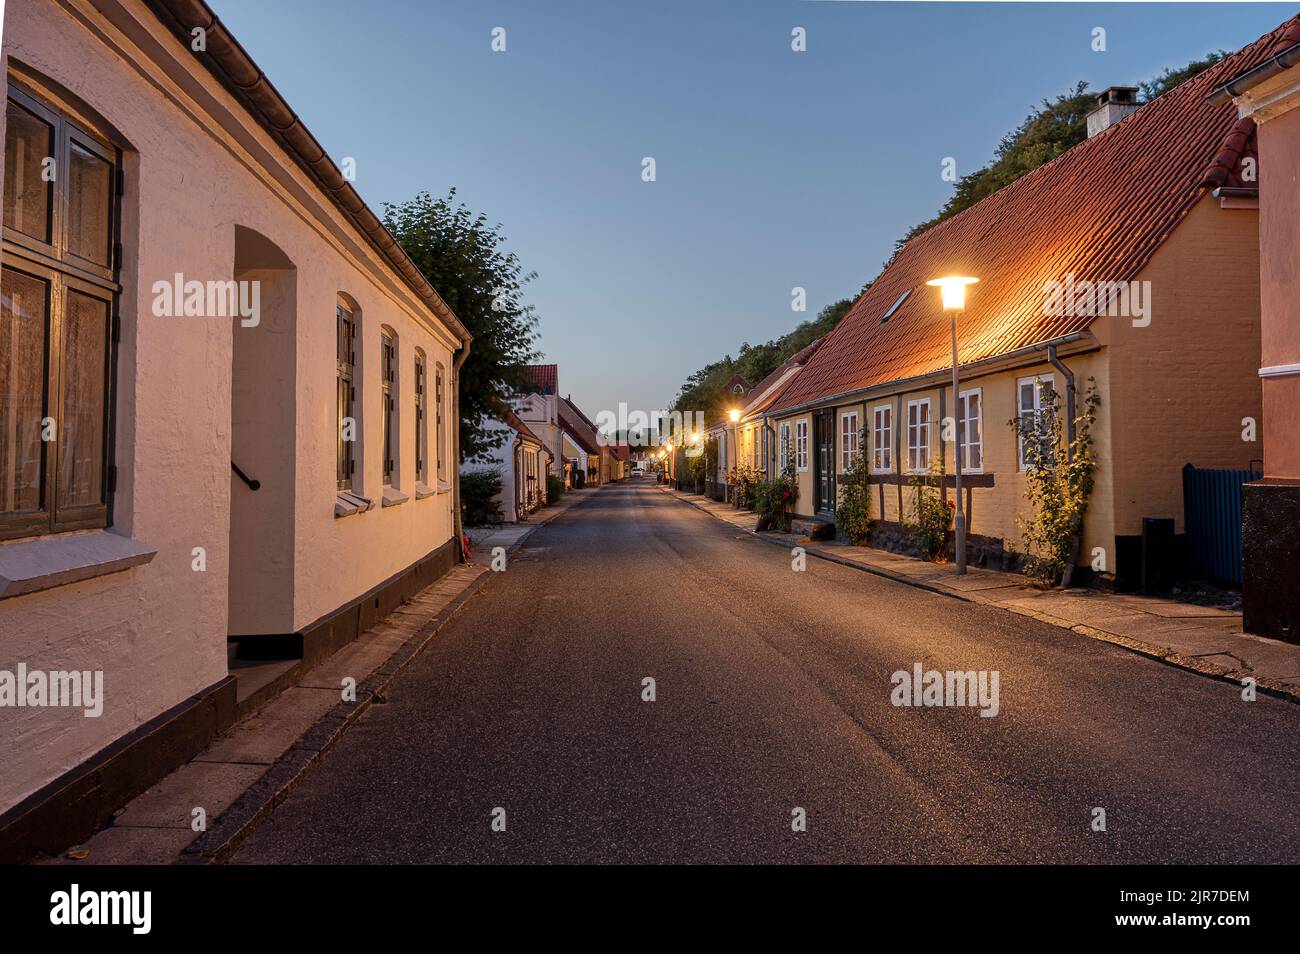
(1113,104)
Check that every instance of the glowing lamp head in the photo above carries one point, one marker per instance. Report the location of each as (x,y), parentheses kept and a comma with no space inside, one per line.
(953,289)
(734,415)
(695,437)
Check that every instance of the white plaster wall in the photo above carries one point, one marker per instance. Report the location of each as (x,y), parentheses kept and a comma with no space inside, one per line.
(159,631)
(501,460)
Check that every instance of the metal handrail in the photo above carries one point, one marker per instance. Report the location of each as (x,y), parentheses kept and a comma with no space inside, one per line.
(252,484)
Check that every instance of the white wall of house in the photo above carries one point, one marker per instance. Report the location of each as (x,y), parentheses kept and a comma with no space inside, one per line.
(197,167)
(500,460)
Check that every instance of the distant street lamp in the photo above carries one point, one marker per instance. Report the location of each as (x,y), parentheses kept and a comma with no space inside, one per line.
(953,289)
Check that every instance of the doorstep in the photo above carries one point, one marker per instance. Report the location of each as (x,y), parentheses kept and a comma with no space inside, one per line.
(1202,639)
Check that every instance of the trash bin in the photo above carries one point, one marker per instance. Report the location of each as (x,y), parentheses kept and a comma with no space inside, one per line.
(1158,554)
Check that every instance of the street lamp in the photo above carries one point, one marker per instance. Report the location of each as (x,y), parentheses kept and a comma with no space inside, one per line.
(733,415)
(953,289)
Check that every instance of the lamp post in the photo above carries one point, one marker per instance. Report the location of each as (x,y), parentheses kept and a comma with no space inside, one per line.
(734,416)
(953,289)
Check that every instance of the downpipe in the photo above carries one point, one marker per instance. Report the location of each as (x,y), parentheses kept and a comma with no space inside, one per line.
(455,450)
(1068,375)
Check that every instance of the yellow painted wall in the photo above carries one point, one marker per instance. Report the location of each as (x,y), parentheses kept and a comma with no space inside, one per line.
(1182,385)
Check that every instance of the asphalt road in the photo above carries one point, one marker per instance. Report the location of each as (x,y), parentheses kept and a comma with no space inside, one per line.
(773,693)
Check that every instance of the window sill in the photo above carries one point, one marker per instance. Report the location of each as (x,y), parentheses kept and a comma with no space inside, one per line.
(347,503)
(393,497)
(444,487)
(28,566)
(423,490)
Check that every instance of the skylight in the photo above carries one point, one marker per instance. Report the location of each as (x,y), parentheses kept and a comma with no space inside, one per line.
(895,306)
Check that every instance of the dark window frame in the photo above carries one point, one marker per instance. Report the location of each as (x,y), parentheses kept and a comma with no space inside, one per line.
(64,272)
(421,431)
(345,393)
(387,403)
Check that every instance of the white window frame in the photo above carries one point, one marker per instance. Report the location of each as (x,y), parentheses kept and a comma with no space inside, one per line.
(784,443)
(848,439)
(882,439)
(801,445)
(919,447)
(963,406)
(1037,380)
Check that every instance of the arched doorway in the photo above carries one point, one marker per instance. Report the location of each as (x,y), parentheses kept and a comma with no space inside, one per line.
(262,442)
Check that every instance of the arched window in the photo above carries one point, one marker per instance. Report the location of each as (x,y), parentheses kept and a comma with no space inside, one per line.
(57,313)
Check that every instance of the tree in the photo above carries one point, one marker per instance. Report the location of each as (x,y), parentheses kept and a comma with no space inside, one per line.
(703,390)
(1171,78)
(464,259)
(1047,132)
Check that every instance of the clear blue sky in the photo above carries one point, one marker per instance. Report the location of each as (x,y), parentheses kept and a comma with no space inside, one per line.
(775,169)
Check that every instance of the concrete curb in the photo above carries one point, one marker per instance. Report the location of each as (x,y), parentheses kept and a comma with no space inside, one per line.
(1161,654)
(237,822)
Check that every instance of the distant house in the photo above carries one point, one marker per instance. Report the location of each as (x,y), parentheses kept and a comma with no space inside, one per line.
(752,438)
(1267,96)
(1170,334)
(538,407)
(581,445)
(523,462)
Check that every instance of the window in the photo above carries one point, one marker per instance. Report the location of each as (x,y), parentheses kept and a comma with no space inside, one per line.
(57,320)
(801,445)
(1029,404)
(784,463)
(918,435)
(347,396)
(848,439)
(882,439)
(421,427)
(441,427)
(970,430)
(387,403)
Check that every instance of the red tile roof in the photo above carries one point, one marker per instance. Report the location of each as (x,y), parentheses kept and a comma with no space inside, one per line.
(574,423)
(542,378)
(764,401)
(1226,169)
(1098,211)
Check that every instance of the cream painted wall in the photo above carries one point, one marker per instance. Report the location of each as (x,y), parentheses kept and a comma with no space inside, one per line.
(993,510)
(159,631)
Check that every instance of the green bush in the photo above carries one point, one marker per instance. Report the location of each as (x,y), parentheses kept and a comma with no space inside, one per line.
(853,509)
(554,488)
(478,492)
(774,499)
(929,517)
(744,480)
(579,479)
(1058,482)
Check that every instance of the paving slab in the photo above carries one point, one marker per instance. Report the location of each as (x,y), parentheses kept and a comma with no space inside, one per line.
(212,786)
(267,734)
(127,846)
